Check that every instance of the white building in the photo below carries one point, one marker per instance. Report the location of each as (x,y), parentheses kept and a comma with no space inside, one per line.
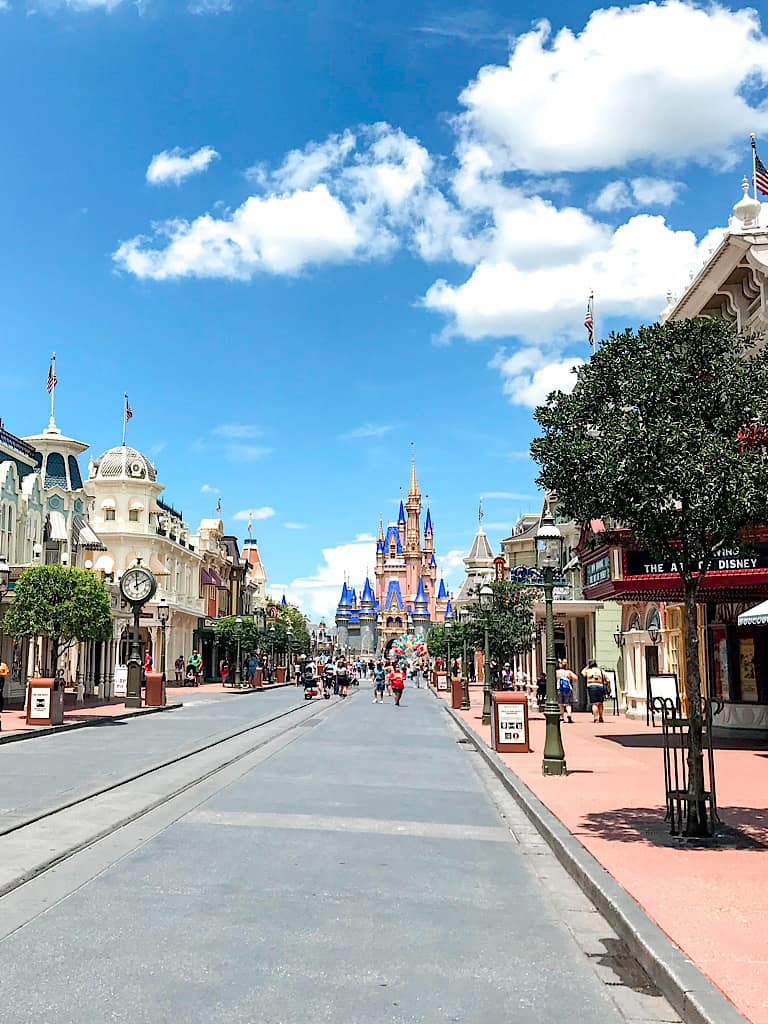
(135,524)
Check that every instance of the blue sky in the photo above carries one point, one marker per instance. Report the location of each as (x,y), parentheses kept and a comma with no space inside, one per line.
(302,235)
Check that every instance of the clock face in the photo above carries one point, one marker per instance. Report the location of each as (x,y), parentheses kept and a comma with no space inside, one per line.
(138,584)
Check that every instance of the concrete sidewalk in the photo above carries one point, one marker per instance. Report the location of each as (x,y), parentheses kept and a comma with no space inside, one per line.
(711,901)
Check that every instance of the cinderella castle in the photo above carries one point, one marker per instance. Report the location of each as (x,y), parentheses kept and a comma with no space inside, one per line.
(406,597)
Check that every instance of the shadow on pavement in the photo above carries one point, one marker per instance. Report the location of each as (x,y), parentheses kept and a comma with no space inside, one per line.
(743,828)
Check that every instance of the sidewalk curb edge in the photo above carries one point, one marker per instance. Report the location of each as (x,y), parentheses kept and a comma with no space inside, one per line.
(691,993)
(50,730)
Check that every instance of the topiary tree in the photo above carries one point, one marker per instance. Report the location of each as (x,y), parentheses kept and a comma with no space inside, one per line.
(665,432)
(63,603)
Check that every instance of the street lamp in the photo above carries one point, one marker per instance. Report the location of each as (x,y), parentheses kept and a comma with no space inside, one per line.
(654,635)
(618,637)
(549,543)
(448,627)
(238,634)
(163,612)
(288,645)
(465,703)
(486,607)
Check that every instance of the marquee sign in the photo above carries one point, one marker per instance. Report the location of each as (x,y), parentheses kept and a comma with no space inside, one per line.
(642,563)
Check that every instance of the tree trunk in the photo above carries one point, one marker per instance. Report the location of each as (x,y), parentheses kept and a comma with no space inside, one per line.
(698,823)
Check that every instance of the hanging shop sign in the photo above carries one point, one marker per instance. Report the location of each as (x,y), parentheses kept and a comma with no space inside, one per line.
(598,571)
(499,568)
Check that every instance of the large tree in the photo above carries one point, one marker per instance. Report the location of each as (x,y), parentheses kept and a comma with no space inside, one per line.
(510,622)
(439,640)
(226,633)
(665,432)
(62,603)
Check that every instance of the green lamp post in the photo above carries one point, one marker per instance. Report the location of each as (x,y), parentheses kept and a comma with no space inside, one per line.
(238,663)
(549,548)
(486,607)
(465,702)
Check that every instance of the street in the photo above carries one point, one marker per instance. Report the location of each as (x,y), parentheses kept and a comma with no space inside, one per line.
(360,866)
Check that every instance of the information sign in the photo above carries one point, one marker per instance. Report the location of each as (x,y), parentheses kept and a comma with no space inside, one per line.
(120,688)
(511,723)
(40,703)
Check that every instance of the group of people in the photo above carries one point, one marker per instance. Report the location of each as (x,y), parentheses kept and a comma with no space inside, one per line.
(336,676)
(598,688)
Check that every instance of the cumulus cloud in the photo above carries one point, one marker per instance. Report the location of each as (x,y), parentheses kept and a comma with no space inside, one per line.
(209,489)
(618,195)
(296,526)
(173,166)
(318,594)
(530,374)
(265,512)
(592,99)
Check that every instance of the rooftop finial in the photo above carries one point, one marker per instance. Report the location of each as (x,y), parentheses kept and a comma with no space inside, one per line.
(414,487)
(480,513)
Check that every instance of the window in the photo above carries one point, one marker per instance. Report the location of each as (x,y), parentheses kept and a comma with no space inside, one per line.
(133,515)
(55,473)
(109,515)
(76,481)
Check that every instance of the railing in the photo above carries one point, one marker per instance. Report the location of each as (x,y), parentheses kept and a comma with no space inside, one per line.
(9,439)
(176,513)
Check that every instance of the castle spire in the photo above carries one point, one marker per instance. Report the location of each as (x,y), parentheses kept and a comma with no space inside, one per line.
(413,490)
(381,527)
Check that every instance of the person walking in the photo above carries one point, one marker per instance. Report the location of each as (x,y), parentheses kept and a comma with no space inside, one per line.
(379,683)
(507,677)
(224,670)
(397,683)
(178,668)
(565,681)
(595,678)
(342,677)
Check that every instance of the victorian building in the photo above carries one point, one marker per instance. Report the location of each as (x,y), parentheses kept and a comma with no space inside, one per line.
(405,596)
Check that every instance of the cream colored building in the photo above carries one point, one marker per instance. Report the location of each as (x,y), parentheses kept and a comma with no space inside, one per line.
(136,524)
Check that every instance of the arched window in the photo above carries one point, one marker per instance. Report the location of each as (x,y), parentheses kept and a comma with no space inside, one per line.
(75,480)
(653,619)
(55,471)
(634,622)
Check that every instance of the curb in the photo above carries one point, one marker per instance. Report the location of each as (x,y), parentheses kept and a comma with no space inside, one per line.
(49,730)
(691,993)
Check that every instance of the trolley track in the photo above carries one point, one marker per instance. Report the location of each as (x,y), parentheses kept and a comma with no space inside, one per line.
(56,834)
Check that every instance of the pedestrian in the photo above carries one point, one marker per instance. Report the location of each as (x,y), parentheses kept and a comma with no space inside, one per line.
(251,664)
(178,668)
(595,678)
(3,677)
(379,676)
(147,662)
(224,670)
(507,677)
(565,681)
(342,678)
(397,683)
(541,691)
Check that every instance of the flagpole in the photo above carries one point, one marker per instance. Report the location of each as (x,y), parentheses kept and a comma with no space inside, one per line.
(53,389)
(754,165)
(125,414)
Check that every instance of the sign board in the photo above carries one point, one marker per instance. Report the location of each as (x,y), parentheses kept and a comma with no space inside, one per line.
(39,703)
(511,724)
(499,568)
(120,688)
(272,612)
(642,563)
(598,571)
(663,685)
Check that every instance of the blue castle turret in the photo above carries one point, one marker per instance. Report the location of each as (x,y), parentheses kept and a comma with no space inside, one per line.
(368,619)
(420,613)
(343,612)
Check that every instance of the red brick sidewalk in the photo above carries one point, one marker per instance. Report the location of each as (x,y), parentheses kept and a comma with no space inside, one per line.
(713,903)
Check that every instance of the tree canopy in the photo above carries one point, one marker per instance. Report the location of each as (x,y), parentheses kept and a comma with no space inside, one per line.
(511,629)
(62,603)
(439,640)
(666,433)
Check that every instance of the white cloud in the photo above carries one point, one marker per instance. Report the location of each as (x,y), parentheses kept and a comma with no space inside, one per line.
(529,375)
(618,195)
(366,430)
(265,512)
(208,489)
(237,431)
(4,6)
(630,274)
(343,199)
(593,99)
(318,594)
(296,526)
(173,166)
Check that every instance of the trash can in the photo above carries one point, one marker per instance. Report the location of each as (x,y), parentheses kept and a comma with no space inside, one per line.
(45,702)
(259,678)
(154,692)
(280,675)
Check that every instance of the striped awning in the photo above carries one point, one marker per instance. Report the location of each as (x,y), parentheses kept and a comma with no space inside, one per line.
(83,535)
(58,527)
(757,616)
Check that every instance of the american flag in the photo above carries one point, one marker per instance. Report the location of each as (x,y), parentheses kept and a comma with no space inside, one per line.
(589,321)
(128,410)
(53,380)
(250,524)
(761,176)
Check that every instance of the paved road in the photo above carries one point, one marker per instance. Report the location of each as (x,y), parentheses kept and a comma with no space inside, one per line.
(369,872)
(48,769)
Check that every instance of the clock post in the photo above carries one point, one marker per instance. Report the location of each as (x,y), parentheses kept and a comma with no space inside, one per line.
(137,585)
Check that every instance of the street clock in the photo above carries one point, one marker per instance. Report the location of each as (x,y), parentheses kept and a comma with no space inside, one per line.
(138,585)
